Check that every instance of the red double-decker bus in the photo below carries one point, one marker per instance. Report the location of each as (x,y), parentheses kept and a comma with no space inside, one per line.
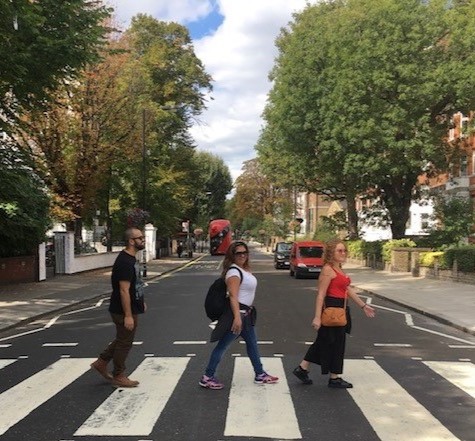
(220,236)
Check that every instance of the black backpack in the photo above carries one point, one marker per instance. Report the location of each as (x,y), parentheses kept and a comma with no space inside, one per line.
(216,299)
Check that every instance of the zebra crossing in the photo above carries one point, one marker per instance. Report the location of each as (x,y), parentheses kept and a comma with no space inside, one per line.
(252,411)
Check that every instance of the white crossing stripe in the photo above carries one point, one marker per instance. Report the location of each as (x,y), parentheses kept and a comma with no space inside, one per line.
(6,361)
(134,411)
(390,410)
(26,396)
(260,410)
(462,374)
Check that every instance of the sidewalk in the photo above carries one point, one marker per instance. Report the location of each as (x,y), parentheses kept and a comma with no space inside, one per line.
(451,303)
(26,302)
(448,302)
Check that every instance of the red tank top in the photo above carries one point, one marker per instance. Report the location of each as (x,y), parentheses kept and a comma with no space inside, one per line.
(338,285)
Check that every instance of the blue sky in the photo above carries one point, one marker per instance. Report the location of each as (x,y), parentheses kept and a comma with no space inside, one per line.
(235,41)
(205,26)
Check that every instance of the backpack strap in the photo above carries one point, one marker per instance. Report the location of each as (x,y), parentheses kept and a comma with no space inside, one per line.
(240,272)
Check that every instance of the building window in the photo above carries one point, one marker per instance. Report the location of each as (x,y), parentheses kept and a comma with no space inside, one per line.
(463,165)
(310,219)
(464,127)
(425,221)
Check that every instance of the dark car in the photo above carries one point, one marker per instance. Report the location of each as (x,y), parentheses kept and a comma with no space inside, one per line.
(282,254)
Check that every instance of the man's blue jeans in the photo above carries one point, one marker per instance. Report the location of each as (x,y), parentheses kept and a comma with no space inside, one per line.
(249,336)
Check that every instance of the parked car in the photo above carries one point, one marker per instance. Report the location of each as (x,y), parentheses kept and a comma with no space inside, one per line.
(306,259)
(282,254)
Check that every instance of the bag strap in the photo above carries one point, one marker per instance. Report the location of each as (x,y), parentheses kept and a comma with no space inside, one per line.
(239,270)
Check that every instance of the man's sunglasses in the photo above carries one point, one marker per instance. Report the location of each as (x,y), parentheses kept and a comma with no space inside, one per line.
(138,237)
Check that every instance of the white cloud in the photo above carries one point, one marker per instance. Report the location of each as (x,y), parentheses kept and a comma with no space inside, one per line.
(239,56)
(182,11)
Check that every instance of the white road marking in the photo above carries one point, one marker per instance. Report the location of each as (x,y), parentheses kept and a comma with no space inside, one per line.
(134,411)
(462,340)
(5,346)
(260,410)
(462,374)
(462,346)
(5,362)
(20,400)
(58,345)
(393,345)
(259,342)
(392,412)
(189,342)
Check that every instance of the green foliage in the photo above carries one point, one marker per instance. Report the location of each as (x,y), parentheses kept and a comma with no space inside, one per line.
(395,243)
(428,259)
(464,255)
(455,218)
(43,44)
(360,249)
(367,108)
(325,230)
(24,206)
(212,186)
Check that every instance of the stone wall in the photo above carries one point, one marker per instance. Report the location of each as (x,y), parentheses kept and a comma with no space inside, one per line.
(448,275)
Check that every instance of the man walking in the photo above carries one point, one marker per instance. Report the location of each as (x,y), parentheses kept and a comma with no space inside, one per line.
(126,302)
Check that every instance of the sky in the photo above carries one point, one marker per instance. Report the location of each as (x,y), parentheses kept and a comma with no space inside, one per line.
(234,39)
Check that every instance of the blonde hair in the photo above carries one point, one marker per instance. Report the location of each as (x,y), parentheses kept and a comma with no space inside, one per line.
(329,251)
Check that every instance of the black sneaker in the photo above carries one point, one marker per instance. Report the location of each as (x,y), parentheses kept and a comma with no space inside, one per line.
(339,383)
(302,375)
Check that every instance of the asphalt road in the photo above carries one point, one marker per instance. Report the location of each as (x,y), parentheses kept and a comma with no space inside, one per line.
(410,382)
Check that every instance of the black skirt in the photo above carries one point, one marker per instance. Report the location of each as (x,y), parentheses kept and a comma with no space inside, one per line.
(328,349)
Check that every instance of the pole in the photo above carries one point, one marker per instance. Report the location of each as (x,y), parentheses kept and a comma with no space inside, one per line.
(144,194)
(295,214)
(144,164)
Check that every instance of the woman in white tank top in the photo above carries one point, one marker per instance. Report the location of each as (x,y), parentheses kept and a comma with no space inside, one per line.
(238,318)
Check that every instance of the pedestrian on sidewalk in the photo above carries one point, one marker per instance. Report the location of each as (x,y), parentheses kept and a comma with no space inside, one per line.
(238,319)
(126,303)
(328,350)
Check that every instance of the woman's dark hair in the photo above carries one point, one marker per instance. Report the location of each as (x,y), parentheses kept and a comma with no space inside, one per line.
(230,257)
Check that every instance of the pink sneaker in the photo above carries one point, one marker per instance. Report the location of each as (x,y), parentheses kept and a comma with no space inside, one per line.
(265,378)
(210,383)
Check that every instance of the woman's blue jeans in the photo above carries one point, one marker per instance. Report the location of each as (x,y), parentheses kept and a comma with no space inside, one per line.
(249,336)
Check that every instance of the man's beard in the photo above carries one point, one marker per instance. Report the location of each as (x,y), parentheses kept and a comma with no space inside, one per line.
(140,247)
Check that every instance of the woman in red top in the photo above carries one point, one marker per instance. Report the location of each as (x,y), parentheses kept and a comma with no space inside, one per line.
(328,350)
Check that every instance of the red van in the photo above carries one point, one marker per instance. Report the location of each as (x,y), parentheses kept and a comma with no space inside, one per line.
(306,259)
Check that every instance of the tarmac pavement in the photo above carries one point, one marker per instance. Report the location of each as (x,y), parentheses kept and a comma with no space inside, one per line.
(26,302)
(451,303)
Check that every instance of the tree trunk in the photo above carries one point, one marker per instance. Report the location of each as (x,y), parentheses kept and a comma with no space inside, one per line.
(397,199)
(353,232)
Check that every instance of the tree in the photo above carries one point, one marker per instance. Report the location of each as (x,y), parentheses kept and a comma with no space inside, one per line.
(258,201)
(454,218)
(214,184)
(366,109)
(170,85)
(43,45)
(24,204)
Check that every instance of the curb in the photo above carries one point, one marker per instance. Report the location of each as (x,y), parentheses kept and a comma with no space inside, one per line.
(438,318)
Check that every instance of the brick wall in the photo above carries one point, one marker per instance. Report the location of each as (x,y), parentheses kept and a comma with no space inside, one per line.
(18,269)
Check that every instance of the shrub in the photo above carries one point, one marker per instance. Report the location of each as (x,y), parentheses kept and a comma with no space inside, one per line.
(429,258)
(355,248)
(395,243)
(465,256)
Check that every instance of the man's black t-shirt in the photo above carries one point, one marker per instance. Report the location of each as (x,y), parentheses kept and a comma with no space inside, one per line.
(127,268)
